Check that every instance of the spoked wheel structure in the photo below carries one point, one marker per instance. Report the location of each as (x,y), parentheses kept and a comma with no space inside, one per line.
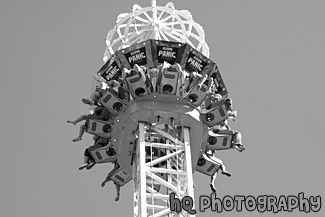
(155,22)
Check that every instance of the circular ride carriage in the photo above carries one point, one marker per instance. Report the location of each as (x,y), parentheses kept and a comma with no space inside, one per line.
(168,106)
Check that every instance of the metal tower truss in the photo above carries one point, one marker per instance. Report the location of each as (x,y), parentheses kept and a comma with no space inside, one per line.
(161,165)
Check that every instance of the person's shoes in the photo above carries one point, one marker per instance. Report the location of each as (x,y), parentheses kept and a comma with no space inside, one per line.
(91,165)
(117,197)
(213,189)
(83,166)
(87,101)
(241,148)
(71,122)
(76,139)
(226,173)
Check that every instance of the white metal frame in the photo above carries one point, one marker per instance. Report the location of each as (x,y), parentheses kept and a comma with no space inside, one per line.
(178,179)
(155,22)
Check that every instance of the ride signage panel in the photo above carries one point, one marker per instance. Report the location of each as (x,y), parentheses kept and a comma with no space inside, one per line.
(137,57)
(166,51)
(194,61)
(139,54)
(110,70)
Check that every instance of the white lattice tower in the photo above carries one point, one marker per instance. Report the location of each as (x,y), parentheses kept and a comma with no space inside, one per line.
(162,165)
(155,22)
(157,176)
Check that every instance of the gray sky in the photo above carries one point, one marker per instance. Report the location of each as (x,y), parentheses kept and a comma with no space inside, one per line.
(271,56)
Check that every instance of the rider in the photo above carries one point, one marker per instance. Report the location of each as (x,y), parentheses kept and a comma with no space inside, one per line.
(89,162)
(231,113)
(117,186)
(236,139)
(209,154)
(100,113)
(97,91)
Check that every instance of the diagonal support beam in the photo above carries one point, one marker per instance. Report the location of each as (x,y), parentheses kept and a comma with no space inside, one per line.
(166,157)
(168,136)
(161,213)
(169,171)
(163,182)
(163,145)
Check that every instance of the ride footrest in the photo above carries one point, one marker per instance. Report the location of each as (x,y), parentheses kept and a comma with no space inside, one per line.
(112,102)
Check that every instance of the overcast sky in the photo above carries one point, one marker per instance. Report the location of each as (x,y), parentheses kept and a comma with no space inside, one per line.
(270,54)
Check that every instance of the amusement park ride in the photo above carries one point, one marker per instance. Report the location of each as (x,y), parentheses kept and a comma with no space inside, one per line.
(160,108)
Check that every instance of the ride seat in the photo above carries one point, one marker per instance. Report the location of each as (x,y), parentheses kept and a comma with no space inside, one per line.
(136,86)
(169,82)
(112,102)
(196,95)
(218,141)
(118,176)
(209,102)
(207,166)
(223,139)
(216,115)
(102,154)
(99,128)
(236,138)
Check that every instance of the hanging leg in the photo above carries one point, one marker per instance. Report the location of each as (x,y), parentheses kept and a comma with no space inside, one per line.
(79,119)
(86,159)
(87,101)
(81,133)
(118,188)
(212,179)
(223,171)
(107,179)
